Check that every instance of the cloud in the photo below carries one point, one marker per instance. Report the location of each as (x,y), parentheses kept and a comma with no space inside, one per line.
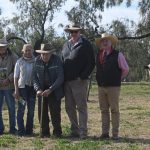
(7,8)
(118,13)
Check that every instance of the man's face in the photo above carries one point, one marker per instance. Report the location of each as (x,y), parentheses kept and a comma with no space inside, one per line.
(3,50)
(105,44)
(75,33)
(28,52)
(46,57)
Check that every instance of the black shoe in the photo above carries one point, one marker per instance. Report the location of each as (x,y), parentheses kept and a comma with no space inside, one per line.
(14,131)
(1,132)
(83,136)
(104,136)
(43,135)
(115,137)
(57,135)
(21,133)
(29,133)
(74,135)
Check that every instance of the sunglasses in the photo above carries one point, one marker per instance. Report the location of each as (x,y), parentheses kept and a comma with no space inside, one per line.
(73,31)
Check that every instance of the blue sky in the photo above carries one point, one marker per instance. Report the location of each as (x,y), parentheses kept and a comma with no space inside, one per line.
(118,12)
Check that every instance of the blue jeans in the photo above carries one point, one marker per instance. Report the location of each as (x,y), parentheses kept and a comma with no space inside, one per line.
(28,95)
(11,109)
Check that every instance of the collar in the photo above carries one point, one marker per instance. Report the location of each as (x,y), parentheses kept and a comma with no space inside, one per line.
(108,51)
(77,42)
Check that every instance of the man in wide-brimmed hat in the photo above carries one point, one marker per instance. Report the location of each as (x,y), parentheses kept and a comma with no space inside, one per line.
(73,27)
(48,77)
(111,68)
(7,64)
(78,59)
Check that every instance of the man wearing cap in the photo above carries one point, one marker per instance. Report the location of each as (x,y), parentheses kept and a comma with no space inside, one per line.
(111,68)
(7,64)
(24,90)
(48,77)
(78,60)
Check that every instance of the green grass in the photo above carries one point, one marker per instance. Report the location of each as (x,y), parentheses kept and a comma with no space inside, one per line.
(133,147)
(134,108)
(134,126)
(144,114)
(80,145)
(8,141)
(141,90)
(37,143)
(66,129)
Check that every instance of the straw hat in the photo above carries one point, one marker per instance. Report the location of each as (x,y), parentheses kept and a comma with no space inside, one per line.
(3,42)
(46,49)
(73,27)
(107,36)
(27,46)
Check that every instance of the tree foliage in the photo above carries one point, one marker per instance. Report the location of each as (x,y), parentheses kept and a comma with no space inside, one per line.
(33,23)
(35,17)
(136,51)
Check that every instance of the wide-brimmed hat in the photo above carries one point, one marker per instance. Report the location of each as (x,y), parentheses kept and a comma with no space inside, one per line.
(107,36)
(3,42)
(46,49)
(73,27)
(27,46)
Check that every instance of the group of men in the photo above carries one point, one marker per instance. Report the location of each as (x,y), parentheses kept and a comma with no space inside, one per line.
(53,78)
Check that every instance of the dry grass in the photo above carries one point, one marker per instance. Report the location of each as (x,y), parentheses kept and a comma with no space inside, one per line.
(134,126)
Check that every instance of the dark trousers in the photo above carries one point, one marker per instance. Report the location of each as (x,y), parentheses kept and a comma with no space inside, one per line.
(54,106)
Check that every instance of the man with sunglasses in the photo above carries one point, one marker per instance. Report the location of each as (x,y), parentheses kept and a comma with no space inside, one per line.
(78,59)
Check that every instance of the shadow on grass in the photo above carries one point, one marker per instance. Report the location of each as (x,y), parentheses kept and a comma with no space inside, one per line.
(121,139)
(92,138)
(132,140)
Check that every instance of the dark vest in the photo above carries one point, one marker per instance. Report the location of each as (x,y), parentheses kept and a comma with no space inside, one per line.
(108,73)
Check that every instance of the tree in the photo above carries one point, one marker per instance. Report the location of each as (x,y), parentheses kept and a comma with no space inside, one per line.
(33,21)
(144,10)
(135,50)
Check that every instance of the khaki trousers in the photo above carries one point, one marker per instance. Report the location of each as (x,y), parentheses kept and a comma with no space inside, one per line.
(109,101)
(76,102)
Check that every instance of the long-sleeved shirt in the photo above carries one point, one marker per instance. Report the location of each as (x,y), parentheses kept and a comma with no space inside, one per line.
(123,65)
(78,59)
(23,71)
(7,65)
(54,77)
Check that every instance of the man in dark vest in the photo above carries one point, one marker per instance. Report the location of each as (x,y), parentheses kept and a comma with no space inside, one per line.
(111,69)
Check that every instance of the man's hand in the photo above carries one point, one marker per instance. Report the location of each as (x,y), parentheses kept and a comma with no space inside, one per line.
(39,93)
(16,94)
(46,93)
(5,82)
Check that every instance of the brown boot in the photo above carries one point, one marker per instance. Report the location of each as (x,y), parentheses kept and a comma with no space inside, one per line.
(115,137)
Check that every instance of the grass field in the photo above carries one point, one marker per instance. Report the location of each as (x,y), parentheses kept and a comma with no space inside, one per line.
(134,126)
